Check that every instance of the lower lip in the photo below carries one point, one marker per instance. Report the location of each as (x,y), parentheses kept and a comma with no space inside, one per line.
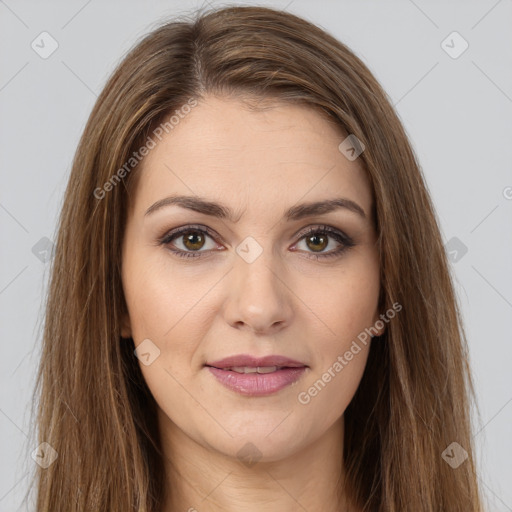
(257,384)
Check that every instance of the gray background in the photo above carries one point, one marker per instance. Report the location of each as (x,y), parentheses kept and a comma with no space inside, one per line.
(457,113)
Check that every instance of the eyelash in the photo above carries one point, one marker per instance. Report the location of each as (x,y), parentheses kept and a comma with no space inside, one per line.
(339,236)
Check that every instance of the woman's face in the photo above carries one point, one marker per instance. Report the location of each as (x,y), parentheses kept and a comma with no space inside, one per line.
(257,282)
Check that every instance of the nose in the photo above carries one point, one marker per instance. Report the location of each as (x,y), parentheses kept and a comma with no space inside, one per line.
(258,298)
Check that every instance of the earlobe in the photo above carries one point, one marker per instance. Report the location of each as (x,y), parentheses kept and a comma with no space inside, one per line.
(379,325)
(126,331)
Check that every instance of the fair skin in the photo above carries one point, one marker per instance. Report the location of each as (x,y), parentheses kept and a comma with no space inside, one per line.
(286,302)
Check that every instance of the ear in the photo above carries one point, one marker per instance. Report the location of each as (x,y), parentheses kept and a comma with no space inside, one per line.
(379,325)
(126,330)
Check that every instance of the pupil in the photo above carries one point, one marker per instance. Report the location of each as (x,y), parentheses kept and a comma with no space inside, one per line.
(189,239)
(316,237)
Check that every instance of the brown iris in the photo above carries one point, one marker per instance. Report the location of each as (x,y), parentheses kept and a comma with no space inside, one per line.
(193,240)
(317,237)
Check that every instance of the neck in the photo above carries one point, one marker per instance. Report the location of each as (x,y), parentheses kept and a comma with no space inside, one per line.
(202,479)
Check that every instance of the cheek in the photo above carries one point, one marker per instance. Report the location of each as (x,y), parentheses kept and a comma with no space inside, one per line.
(329,391)
(345,310)
(162,298)
(345,303)
(340,355)
(163,307)
(168,306)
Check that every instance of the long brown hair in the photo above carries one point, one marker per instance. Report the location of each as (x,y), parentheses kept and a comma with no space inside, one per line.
(94,407)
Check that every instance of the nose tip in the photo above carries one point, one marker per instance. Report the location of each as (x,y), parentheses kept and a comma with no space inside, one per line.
(258,297)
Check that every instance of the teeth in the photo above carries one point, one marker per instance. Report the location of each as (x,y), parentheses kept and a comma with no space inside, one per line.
(259,369)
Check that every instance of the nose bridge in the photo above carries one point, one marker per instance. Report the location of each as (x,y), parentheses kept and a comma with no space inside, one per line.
(257,295)
(255,268)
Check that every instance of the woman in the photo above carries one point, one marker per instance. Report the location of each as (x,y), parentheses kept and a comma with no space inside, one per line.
(250,305)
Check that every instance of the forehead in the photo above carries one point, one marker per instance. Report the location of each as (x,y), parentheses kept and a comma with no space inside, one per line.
(277,154)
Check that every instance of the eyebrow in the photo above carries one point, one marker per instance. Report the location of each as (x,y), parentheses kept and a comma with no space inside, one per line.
(221,211)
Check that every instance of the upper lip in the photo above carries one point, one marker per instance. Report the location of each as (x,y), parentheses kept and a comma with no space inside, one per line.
(254,362)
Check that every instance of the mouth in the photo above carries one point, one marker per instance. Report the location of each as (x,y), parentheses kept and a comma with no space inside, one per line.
(252,369)
(248,361)
(251,376)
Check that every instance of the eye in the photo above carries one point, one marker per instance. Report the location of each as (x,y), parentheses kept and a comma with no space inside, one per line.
(193,239)
(317,239)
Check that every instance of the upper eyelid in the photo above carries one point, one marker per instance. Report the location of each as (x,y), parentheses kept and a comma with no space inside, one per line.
(331,231)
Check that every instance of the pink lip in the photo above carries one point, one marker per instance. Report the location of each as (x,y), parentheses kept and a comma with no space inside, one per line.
(257,384)
(253,362)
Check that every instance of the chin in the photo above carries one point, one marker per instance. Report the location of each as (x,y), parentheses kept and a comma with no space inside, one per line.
(258,445)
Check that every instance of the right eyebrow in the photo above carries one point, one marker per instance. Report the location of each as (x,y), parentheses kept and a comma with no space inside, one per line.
(221,211)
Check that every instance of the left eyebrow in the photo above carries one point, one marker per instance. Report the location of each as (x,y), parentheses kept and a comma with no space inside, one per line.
(221,211)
